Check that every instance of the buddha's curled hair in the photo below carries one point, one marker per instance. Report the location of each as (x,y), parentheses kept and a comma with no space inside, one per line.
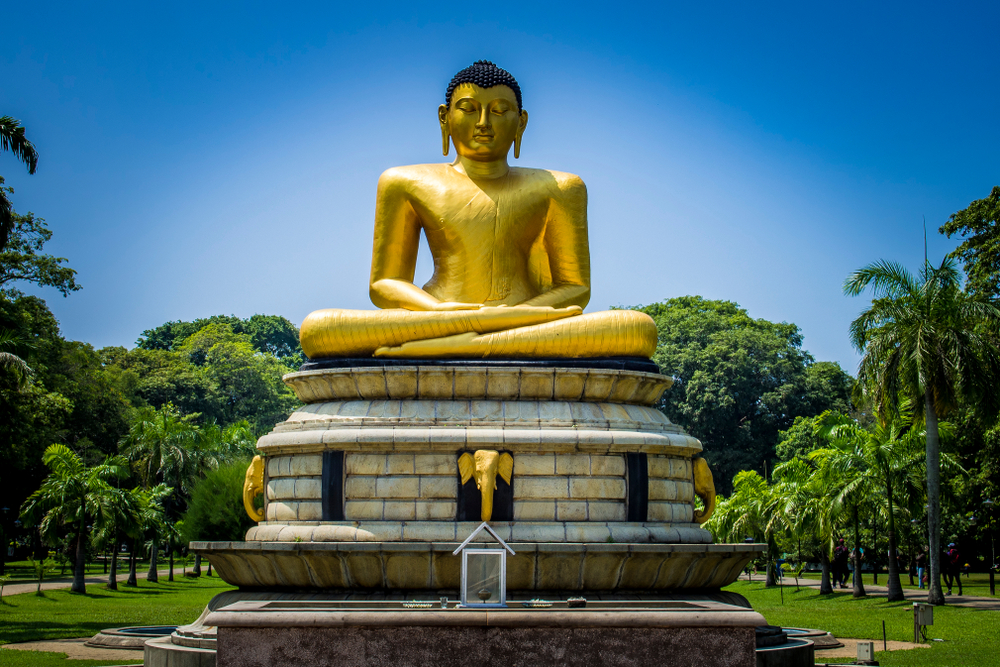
(484,74)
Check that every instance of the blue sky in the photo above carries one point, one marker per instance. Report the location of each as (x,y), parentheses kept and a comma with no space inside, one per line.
(205,158)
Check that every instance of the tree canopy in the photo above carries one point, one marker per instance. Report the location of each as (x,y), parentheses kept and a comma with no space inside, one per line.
(739,381)
(271,334)
(979,226)
(925,341)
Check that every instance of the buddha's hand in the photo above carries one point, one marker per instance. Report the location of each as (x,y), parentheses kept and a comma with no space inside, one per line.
(454,305)
(521,315)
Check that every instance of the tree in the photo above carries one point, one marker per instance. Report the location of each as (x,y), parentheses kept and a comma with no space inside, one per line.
(875,463)
(12,139)
(979,226)
(216,508)
(118,514)
(249,381)
(22,260)
(925,340)
(271,334)
(750,512)
(12,365)
(807,508)
(738,382)
(69,496)
(215,375)
(152,523)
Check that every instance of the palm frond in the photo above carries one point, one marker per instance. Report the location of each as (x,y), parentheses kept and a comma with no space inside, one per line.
(12,139)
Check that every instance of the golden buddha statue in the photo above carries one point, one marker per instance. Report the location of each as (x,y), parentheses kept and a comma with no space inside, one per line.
(511,258)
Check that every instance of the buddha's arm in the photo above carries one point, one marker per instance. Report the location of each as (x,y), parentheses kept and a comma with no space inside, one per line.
(566,245)
(394,255)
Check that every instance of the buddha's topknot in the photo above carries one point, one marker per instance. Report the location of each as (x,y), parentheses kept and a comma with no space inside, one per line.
(484,74)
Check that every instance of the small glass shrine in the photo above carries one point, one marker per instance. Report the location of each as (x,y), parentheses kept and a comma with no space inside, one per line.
(484,571)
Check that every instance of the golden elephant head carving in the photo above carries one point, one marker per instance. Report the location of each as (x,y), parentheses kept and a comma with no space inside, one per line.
(484,466)
(253,486)
(704,488)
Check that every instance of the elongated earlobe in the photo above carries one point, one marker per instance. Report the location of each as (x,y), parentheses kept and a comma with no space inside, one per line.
(520,133)
(445,135)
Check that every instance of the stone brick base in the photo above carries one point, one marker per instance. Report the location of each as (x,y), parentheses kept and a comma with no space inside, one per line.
(485,647)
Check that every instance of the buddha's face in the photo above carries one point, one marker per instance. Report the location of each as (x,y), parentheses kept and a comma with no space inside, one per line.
(483,122)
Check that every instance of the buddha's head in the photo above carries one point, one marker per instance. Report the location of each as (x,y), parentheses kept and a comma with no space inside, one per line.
(482,113)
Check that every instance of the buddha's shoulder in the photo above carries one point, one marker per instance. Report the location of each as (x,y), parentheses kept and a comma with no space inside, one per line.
(556,182)
(411,173)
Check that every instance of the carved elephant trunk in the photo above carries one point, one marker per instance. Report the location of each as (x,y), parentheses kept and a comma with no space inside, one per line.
(484,466)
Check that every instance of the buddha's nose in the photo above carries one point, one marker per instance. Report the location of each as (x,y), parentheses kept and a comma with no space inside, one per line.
(484,118)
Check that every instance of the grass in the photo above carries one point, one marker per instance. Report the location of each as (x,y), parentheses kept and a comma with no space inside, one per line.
(977,583)
(49,659)
(22,571)
(971,636)
(58,614)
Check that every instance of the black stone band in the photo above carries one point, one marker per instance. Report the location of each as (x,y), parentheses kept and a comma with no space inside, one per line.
(604,363)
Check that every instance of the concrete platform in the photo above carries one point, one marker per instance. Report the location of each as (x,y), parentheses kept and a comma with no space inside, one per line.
(328,633)
(414,565)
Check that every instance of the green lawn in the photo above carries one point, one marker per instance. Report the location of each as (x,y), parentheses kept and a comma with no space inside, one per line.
(971,636)
(21,571)
(48,659)
(977,583)
(60,614)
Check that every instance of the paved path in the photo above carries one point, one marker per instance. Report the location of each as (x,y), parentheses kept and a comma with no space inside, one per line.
(75,649)
(911,594)
(66,582)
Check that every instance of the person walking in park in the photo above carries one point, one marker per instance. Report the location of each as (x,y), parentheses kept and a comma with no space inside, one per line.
(952,567)
(921,567)
(840,555)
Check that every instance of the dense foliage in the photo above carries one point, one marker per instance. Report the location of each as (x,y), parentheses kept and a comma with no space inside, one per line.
(979,227)
(215,511)
(739,381)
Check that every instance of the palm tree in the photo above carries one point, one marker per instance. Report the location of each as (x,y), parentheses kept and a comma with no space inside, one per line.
(882,458)
(117,514)
(9,361)
(163,447)
(926,340)
(12,139)
(151,522)
(748,512)
(807,508)
(70,495)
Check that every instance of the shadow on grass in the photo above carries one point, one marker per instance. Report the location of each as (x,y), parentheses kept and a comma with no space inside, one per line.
(16,632)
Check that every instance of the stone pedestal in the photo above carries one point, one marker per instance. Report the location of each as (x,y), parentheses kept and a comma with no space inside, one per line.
(321,634)
(364,498)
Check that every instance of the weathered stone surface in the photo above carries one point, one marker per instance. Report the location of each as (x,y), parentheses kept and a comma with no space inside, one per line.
(364,464)
(362,510)
(397,643)
(434,464)
(605,511)
(571,510)
(607,465)
(510,383)
(541,487)
(399,486)
(573,464)
(438,487)
(535,464)
(535,510)
(436,511)
(400,510)
(596,487)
